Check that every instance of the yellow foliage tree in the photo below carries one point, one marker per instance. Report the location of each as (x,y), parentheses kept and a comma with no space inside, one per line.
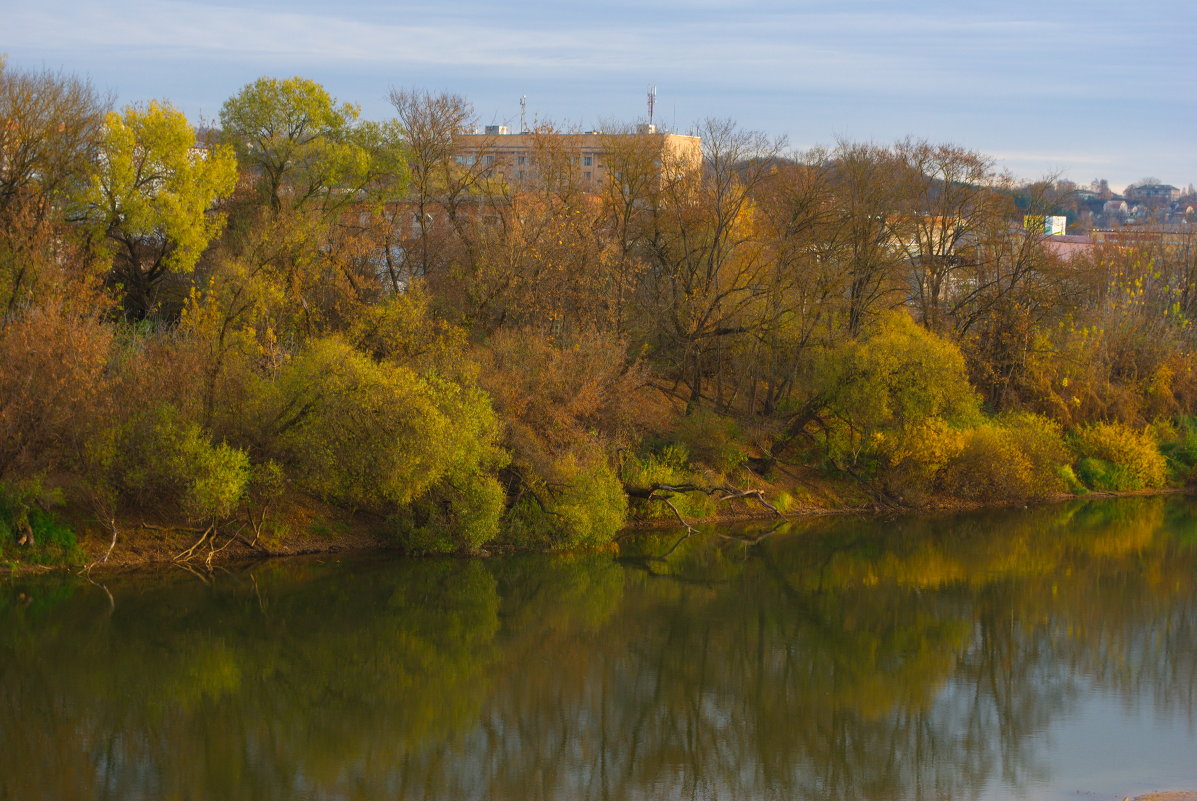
(152,199)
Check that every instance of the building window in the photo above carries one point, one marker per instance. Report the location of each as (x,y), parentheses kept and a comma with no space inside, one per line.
(521,160)
(587,175)
(488,159)
(588,161)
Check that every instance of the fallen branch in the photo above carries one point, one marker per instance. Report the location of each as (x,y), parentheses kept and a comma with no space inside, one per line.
(665,500)
(190,552)
(212,550)
(662,492)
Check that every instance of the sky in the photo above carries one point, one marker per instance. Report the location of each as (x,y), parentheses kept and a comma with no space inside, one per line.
(1079,90)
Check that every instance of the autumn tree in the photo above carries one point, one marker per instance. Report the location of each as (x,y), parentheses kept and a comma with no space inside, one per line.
(707,267)
(797,210)
(50,131)
(542,256)
(858,248)
(945,197)
(443,182)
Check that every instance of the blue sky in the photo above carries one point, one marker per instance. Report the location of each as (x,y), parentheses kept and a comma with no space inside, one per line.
(1084,89)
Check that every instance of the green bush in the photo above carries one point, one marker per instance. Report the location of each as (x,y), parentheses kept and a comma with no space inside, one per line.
(1177,441)
(894,400)
(375,435)
(1115,457)
(460,513)
(213,477)
(157,457)
(583,504)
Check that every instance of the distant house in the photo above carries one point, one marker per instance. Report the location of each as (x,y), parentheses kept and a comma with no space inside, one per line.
(1115,207)
(1153,192)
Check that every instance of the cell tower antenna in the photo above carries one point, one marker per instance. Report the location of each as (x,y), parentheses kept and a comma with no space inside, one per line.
(523,113)
(652,103)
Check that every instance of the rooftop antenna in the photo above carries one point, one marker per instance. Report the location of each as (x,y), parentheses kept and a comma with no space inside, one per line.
(523,113)
(652,103)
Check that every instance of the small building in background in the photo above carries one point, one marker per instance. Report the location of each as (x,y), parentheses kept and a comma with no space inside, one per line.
(590,158)
(1115,207)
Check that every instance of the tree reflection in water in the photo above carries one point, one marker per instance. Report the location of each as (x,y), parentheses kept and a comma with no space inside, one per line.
(845,659)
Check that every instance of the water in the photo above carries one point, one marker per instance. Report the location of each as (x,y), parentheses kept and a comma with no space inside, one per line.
(1048,653)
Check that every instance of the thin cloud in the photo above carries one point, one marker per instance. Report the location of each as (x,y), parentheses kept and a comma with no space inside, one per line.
(1025,78)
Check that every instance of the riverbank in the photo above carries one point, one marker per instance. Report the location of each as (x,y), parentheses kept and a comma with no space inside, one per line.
(149,544)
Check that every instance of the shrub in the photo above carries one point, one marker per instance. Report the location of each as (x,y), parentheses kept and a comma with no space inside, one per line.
(214,477)
(364,434)
(53,387)
(713,440)
(1177,441)
(50,541)
(1014,457)
(891,401)
(990,467)
(582,503)
(565,407)
(1113,456)
(154,456)
(458,513)
(372,435)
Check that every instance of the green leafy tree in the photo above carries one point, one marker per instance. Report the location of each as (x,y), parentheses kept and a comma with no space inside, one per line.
(317,222)
(296,138)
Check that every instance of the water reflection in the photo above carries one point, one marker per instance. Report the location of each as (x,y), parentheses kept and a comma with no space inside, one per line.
(913,658)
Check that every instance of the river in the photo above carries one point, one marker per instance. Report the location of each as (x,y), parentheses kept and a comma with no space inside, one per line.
(1045,653)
